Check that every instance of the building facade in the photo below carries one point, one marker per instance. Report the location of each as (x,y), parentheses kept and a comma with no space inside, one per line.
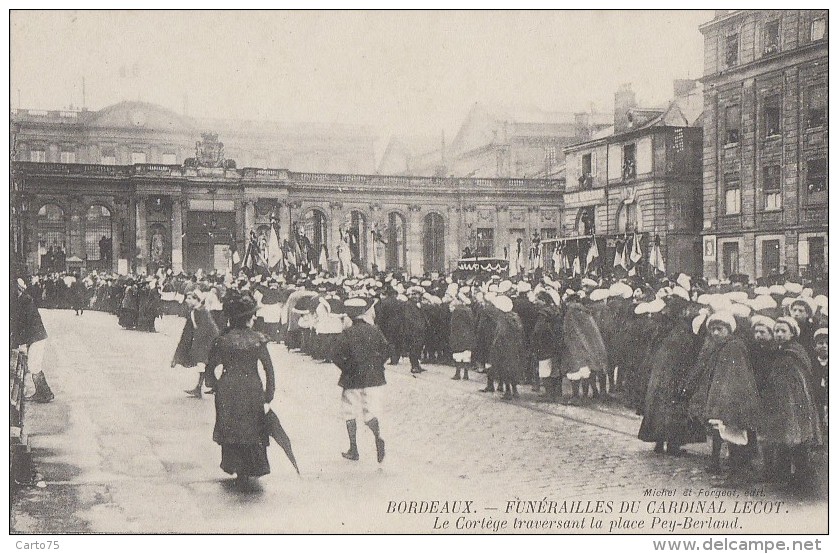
(642,176)
(139,132)
(145,216)
(495,142)
(766,138)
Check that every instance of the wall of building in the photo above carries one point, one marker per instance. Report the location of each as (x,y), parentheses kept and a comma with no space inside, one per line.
(789,70)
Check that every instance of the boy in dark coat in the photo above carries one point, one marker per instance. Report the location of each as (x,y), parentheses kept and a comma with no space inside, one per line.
(360,353)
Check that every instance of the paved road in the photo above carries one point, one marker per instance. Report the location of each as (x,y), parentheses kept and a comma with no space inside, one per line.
(122,449)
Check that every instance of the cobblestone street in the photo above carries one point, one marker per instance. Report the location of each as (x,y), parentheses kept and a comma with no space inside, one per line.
(123,449)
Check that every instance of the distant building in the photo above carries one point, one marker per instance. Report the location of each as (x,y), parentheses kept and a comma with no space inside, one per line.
(766,137)
(643,176)
(138,132)
(495,142)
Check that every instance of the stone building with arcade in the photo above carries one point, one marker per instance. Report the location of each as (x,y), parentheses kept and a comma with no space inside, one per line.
(140,217)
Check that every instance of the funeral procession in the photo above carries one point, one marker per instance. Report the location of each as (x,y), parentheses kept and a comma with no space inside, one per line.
(419,272)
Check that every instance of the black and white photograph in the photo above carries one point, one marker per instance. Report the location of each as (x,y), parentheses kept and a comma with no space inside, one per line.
(456,272)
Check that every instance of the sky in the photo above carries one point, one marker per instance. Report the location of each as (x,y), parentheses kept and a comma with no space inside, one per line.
(398,72)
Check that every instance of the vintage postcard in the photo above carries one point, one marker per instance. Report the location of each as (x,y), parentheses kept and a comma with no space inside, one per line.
(426,272)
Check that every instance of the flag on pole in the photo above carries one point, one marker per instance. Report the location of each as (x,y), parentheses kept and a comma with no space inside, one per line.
(636,251)
(513,262)
(656,258)
(274,251)
(593,254)
(577,266)
(323,262)
(558,259)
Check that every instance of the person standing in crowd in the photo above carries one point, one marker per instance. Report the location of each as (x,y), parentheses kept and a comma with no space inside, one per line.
(507,351)
(791,425)
(761,348)
(130,306)
(240,395)
(78,294)
(821,373)
(546,343)
(722,393)
(149,306)
(414,327)
(802,309)
(198,334)
(389,315)
(665,420)
(29,336)
(462,337)
(360,352)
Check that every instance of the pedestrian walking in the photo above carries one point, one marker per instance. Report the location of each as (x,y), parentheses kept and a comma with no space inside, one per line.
(198,334)
(360,353)
(29,335)
(240,395)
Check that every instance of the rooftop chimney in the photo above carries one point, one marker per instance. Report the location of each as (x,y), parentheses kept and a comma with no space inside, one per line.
(624,100)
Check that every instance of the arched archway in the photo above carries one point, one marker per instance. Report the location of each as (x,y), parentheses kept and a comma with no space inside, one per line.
(315,228)
(433,239)
(396,241)
(98,237)
(52,238)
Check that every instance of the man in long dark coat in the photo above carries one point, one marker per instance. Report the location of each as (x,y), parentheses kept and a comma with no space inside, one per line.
(415,327)
(27,333)
(389,316)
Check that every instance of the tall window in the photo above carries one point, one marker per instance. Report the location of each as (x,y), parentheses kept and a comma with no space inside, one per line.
(37,156)
(770,257)
(816,176)
(138,158)
(98,236)
(730,258)
(485,242)
(627,219)
(68,156)
(816,108)
(732,50)
(772,37)
(396,238)
(733,120)
(818,28)
(771,115)
(434,242)
(772,187)
(586,180)
(817,257)
(733,194)
(629,162)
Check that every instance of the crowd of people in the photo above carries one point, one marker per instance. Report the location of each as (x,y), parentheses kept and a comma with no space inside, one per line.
(745,365)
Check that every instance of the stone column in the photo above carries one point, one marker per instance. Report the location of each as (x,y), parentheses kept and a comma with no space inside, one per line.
(414,239)
(75,229)
(335,221)
(177,234)
(142,243)
(249,217)
(501,230)
(453,237)
(374,256)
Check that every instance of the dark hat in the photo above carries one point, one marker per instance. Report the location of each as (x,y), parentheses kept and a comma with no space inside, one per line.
(238,304)
(356,306)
